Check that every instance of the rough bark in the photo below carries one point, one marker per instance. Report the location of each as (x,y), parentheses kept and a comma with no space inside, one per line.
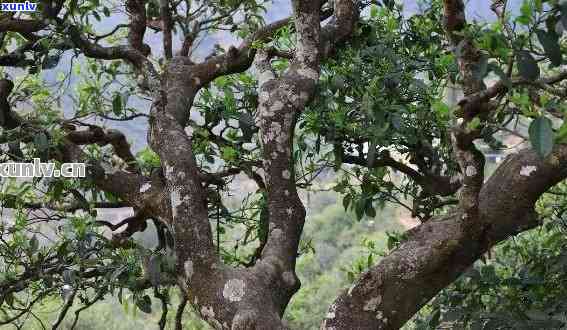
(438,251)
(253,298)
(385,297)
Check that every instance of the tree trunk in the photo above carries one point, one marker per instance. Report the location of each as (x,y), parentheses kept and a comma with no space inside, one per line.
(440,250)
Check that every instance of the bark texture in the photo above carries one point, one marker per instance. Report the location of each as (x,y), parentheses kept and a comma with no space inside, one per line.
(385,297)
(440,250)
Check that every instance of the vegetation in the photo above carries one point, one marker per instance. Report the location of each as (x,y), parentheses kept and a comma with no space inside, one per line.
(354,105)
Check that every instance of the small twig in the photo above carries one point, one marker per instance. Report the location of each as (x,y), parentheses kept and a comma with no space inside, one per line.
(179,313)
(98,297)
(163,319)
(68,303)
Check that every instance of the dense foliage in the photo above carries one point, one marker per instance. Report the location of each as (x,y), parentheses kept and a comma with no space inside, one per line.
(402,116)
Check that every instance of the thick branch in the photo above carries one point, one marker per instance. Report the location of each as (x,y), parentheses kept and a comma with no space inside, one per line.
(469,158)
(430,183)
(103,137)
(137,11)
(166,28)
(438,251)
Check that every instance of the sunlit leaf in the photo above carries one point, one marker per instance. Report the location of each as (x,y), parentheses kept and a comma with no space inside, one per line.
(542,136)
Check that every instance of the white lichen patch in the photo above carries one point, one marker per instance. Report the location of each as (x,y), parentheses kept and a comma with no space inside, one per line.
(272,133)
(249,146)
(265,76)
(168,171)
(470,171)
(234,290)
(277,106)
(289,211)
(277,233)
(108,168)
(207,312)
(188,269)
(372,304)
(350,290)
(455,179)
(264,96)
(275,130)
(379,315)
(189,131)
(286,192)
(527,170)
(145,187)
(286,175)
(331,313)
(281,140)
(175,198)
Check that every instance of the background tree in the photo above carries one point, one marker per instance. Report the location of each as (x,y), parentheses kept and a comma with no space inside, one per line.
(324,89)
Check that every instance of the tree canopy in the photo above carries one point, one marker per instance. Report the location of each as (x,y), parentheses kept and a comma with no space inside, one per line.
(389,106)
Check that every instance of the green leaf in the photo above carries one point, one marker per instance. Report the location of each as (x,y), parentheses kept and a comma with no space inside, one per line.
(346,201)
(481,68)
(373,11)
(154,270)
(57,189)
(488,274)
(434,319)
(117,104)
(474,124)
(370,211)
(389,3)
(527,65)
(367,103)
(561,136)
(68,276)
(144,304)
(338,82)
(563,9)
(50,61)
(96,15)
(9,299)
(526,13)
(494,67)
(41,142)
(229,153)
(116,273)
(359,209)
(542,136)
(550,42)
(539,5)
(34,244)
(247,125)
